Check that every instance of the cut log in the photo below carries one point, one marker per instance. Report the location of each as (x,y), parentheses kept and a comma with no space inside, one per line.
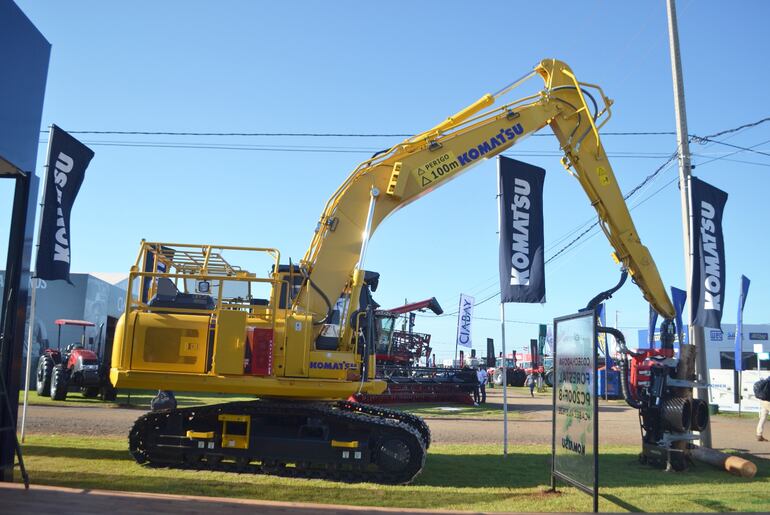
(732,464)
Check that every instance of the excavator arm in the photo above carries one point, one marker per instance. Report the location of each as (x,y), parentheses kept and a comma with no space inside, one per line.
(394,178)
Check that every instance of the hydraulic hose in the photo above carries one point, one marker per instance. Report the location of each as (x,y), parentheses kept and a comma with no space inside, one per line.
(329,309)
(630,400)
(606,295)
(624,384)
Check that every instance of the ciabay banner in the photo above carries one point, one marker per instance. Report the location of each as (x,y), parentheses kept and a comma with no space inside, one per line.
(522,267)
(745,282)
(66,167)
(708,257)
(465,321)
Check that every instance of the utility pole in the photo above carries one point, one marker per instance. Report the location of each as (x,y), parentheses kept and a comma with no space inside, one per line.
(683,151)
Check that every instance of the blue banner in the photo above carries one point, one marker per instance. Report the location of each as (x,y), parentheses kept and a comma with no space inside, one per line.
(707,278)
(679,298)
(66,167)
(739,325)
(522,243)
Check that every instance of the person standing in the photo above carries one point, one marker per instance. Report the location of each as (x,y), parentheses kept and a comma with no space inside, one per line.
(482,377)
(762,393)
(764,409)
(531,383)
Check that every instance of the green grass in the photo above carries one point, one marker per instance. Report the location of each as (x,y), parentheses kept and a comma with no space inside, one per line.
(734,414)
(462,477)
(139,399)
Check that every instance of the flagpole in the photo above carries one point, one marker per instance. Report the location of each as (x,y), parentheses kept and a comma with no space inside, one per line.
(30,335)
(457,335)
(502,321)
(35,281)
(505,382)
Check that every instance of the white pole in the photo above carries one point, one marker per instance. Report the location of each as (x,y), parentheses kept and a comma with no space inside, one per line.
(502,321)
(35,281)
(457,335)
(30,335)
(697,337)
(505,382)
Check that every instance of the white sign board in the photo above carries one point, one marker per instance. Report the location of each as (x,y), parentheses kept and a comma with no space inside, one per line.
(574,408)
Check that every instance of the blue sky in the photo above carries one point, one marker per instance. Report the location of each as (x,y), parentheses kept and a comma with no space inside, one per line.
(398,67)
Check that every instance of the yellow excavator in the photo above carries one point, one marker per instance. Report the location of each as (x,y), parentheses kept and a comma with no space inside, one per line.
(301,337)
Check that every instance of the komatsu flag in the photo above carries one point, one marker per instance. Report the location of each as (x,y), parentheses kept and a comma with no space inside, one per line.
(464,321)
(66,167)
(708,254)
(522,267)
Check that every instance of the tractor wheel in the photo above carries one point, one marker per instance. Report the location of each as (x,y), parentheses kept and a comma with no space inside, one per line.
(44,368)
(59,380)
(90,392)
(517,377)
(108,393)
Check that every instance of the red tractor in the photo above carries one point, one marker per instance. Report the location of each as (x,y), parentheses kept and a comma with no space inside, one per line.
(76,366)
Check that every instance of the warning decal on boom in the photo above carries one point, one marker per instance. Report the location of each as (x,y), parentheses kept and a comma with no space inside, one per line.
(437,168)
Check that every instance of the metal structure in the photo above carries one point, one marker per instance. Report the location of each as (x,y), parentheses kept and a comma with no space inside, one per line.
(14,307)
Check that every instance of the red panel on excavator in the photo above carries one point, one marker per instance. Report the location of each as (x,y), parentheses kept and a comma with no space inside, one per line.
(260,343)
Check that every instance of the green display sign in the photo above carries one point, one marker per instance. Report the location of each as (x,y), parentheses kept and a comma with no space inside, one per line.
(575,423)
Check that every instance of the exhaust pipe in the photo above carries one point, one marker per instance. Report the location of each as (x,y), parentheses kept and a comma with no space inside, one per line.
(677,414)
(700,414)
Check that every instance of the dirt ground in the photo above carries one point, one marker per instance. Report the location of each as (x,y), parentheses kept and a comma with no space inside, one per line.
(530,423)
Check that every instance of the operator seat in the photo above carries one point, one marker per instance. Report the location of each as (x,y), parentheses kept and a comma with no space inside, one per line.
(167,295)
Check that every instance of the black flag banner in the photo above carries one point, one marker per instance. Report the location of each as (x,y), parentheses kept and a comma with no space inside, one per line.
(66,167)
(708,254)
(522,267)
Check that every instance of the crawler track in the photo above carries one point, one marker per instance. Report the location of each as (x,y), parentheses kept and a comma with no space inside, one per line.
(346,441)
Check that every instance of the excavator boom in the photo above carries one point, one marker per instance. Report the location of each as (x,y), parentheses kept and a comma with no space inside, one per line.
(418,165)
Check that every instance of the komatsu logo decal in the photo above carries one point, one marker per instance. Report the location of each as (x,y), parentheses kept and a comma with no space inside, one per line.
(712,297)
(492,143)
(330,365)
(520,262)
(63,167)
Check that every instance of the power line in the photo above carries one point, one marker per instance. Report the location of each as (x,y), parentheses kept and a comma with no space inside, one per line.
(318,149)
(735,129)
(508,321)
(744,149)
(314,134)
(650,177)
(665,164)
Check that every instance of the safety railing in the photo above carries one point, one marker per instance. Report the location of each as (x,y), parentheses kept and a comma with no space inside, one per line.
(205,265)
